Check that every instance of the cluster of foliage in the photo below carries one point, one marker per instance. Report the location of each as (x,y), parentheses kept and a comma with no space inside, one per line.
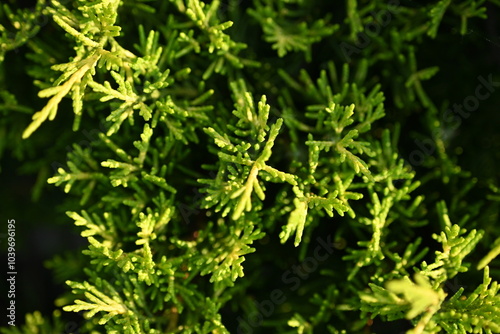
(228,140)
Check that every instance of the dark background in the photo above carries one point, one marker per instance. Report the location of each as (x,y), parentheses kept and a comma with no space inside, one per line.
(43,230)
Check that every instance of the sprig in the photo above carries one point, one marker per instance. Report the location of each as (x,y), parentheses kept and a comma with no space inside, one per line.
(286,37)
(99,302)
(448,262)
(79,72)
(251,124)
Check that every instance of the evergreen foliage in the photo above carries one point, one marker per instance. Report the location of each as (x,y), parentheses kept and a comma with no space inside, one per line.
(233,143)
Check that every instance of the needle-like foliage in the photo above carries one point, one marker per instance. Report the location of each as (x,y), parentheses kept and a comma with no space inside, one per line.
(260,166)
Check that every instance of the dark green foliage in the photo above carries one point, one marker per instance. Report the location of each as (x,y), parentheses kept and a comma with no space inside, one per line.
(290,164)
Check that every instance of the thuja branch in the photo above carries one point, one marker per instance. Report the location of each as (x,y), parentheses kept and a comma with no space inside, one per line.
(59,92)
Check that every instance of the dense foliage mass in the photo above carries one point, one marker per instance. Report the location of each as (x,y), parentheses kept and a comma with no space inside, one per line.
(261,166)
